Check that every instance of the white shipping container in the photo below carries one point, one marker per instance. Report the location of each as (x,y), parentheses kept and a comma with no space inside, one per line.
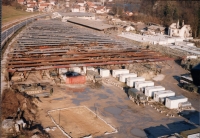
(149,91)
(117,72)
(142,84)
(131,81)
(90,68)
(162,94)
(62,70)
(104,72)
(123,77)
(173,102)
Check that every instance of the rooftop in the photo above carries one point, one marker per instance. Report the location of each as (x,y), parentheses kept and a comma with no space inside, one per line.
(77,14)
(177,97)
(91,24)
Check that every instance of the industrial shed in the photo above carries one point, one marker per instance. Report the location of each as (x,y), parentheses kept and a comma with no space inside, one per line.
(97,25)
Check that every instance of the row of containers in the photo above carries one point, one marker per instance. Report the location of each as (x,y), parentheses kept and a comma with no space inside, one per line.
(157,93)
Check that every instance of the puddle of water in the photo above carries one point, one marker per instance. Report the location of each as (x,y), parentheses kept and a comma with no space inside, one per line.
(109,91)
(138,132)
(113,110)
(102,96)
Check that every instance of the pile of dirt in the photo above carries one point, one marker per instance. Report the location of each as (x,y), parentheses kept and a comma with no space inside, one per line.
(20,106)
(12,101)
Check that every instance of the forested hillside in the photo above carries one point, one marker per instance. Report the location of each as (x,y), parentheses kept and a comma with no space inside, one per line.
(164,12)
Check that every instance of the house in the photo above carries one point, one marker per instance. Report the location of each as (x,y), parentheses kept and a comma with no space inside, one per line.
(100,9)
(31,4)
(183,31)
(41,1)
(129,13)
(75,8)
(31,8)
(154,29)
(22,2)
(81,2)
(43,6)
(82,9)
(90,6)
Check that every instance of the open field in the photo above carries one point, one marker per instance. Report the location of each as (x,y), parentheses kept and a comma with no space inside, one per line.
(10,14)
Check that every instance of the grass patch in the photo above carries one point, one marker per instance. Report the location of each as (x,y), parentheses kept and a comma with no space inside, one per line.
(10,13)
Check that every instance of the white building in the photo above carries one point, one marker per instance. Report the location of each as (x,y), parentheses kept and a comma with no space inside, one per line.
(123,77)
(175,101)
(131,81)
(82,15)
(104,72)
(117,72)
(142,84)
(183,31)
(161,95)
(149,91)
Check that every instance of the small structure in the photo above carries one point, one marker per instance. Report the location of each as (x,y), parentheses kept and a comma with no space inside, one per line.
(104,72)
(183,31)
(149,91)
(174,101)
(98,25)
(117,72)
(142,84)
(31,9)
(75,8)
(154,29)
(123,77)
(81,15)
(160,96)
(100,9)
(131,81)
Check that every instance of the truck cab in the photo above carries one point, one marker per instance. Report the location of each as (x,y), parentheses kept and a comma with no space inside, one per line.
(137,96)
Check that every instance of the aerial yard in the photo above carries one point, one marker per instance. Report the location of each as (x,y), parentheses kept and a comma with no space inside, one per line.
(47,55)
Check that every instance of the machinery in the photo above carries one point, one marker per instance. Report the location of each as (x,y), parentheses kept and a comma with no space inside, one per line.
(137,96)
(36,89)
(186,82)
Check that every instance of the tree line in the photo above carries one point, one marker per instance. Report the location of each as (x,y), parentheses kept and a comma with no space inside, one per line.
(163,12)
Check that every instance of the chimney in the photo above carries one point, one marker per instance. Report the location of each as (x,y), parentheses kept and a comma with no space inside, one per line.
(183,23)
(177,24)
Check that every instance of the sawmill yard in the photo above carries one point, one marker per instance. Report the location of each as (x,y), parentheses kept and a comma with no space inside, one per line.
(43,51)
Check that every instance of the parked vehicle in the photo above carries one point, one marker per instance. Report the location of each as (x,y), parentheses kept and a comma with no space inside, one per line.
(36,89)
(137,96)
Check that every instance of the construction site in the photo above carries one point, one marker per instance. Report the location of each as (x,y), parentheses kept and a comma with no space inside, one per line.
(65,79)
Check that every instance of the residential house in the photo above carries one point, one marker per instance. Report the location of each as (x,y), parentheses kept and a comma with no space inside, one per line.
(22,2)
(31,4)
(43,7)
(183,31)
(75,8)
(31,8)
(82,9)
(100,9)
(154,29)
(81,2)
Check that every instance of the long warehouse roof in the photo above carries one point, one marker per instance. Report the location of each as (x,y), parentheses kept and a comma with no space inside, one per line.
(98,25)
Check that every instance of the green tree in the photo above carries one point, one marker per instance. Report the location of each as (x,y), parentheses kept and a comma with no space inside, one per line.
(166,11)
(175,15)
